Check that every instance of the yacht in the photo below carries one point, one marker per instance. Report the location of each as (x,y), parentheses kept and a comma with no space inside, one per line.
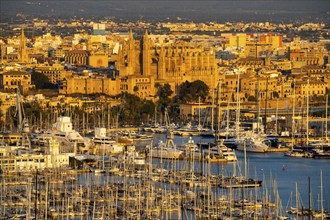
(231,143)
(133,157)
(295,153)
(191,150)
(252,144)
(190,146)
(190,130)
(69,139)
(206,132)
(166,150)
(219,152)
(321,154)
(184,130)
(105,145)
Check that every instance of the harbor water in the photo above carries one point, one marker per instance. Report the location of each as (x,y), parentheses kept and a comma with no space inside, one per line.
(270,167)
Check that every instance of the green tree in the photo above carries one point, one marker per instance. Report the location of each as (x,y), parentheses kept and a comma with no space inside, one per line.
(133,110)
(191,92)
(41,81)
(164,93)
(148,109)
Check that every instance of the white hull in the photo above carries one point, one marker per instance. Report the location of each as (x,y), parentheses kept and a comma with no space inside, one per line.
(252,146)
(165,153)
(294,154)
(221,152)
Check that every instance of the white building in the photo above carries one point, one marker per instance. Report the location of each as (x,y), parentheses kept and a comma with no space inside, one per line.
(21,161)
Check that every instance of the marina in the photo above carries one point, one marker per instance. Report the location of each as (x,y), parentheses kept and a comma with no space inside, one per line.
(59,173)
(176,188)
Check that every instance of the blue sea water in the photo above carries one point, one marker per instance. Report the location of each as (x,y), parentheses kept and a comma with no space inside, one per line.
(269,167)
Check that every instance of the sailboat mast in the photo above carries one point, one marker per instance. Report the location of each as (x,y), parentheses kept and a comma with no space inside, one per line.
(326,118)
(155,117)
(265,125)
(219,109)
(245,167)
(227,123)
(309,198)
(212,111)
(257,104)
(293,115)
(238,108)
(276,117)
(321,180)
(297,205)
(109,108)
(199,113)
(307,113)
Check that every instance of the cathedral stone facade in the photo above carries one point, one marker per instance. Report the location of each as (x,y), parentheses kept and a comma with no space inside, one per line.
(142,64)
(173,63)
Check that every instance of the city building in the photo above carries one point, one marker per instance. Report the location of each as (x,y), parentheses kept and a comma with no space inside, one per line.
(54,73)
(11,80)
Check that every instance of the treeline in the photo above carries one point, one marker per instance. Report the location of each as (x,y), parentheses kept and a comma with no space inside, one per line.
(132,110)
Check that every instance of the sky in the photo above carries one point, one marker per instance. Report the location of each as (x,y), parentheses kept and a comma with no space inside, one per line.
(196,10)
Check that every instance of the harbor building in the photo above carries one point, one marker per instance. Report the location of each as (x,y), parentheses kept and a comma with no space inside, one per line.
(13,159)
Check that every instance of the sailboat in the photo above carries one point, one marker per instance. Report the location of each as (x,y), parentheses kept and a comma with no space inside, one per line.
(219,151)
(296,152)
(318,151)
(253,140)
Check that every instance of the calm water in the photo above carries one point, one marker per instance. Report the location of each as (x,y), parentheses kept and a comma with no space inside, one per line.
(266,167)
(269,165)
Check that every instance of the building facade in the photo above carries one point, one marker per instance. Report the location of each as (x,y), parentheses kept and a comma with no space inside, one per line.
(11,80)
(171,63)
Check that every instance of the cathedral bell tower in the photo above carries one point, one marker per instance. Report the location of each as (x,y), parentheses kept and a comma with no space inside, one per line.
(131,54)
(161,63)
(146,55)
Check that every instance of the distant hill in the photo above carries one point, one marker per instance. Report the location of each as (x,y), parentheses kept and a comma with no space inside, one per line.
(197,10)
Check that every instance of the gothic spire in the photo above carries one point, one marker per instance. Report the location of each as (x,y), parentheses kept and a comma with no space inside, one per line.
(146,33)
(131,35)
(22,33)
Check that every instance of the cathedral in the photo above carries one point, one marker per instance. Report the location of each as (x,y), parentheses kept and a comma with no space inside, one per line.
(142,64)
(171,63)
